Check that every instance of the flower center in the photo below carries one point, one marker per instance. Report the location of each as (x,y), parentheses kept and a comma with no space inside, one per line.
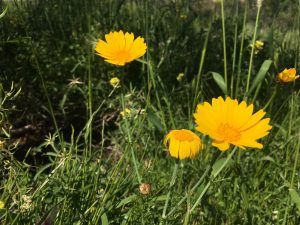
(228,132)
(183,135)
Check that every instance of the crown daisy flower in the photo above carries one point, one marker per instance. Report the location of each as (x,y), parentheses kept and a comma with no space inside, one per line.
(228,122)
(120,48)
(183,144)
(288,75)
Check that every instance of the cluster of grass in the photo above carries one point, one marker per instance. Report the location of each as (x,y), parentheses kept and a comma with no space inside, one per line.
(68,156)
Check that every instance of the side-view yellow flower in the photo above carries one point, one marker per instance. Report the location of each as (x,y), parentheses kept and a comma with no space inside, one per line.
(121,48)
(228,122)
(183,144)
(288,75)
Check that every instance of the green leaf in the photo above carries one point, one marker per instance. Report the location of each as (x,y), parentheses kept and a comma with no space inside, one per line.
(219,166)
(3,13)
(104,219)
(295,197)
(220,81)
(127,200)
(260,75)
(155,120)
(267,158)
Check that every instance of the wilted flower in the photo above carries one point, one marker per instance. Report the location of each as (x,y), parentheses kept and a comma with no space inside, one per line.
(183,144)
(121,48)
(145,188)
(180,76)
(259,3)
(288,75)
(228,122)
(74,81)
(114,82)
(26,203)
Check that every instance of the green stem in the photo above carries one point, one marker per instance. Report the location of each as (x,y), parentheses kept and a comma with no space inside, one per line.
(224,44)
(47,96)
(241,51)
(296,160)
(271,98)
(192,190)
(130,143)
(234,49)
(252,51)
(213,178)
(201,63)
(169,193)
(90,106)
(295,164)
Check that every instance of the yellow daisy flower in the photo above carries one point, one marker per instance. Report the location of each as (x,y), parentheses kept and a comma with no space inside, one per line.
(288,75)
(121,48)
(183,144)
(228,122)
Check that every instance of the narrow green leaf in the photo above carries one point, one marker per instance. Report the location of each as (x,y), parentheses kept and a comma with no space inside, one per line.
(217,165)
(260,75)
(220,81)
(267,158)
(155,120)
(3,13)
(295,197)
(126,200)
(104,219)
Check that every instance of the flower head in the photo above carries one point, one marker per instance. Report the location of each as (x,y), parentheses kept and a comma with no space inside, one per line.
(114,82)
(288,75)
(125,112)
(180,77)
(145,188)
(228,122)
(2,204)
(183,144)
(258,45)
(120,48)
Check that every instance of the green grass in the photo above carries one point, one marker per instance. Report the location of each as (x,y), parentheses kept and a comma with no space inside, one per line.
(69,157)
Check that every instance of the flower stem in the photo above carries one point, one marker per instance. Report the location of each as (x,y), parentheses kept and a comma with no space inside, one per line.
(224,44)
(169,193)
(241,51)
(252,50)
(216,173)
(130,143)
(192,190)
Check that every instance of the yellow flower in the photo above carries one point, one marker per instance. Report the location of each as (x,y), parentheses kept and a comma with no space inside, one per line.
(2,204)
(183,144)
(120,48)
(180,76)
(114,82)
(258,45)
(125,112)
(288,75)
(228,122)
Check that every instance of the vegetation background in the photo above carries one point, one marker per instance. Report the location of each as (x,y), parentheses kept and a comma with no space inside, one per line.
(67,155)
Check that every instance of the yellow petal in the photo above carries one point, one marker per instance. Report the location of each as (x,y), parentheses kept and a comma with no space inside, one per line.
(223,146)
(174,148)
